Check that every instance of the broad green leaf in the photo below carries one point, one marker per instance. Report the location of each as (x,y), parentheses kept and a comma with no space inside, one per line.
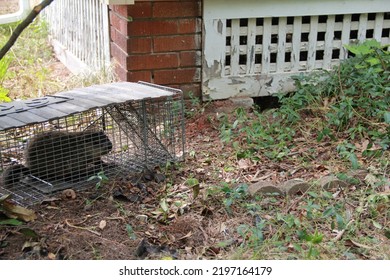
(387,117)
(164,205)
(130,232)
(11,222)
(28,232)
(377,225)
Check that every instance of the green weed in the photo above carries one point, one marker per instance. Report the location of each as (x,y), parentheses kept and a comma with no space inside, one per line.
(350,104)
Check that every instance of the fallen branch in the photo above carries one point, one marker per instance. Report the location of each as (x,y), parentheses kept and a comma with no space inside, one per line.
(26,22)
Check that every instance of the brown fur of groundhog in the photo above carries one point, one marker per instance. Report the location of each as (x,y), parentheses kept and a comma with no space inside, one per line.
(58,155)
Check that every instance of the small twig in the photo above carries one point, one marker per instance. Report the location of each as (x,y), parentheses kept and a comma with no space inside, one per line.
(345,198)
(296,201)
(82,228)
(341,233)
(116,218)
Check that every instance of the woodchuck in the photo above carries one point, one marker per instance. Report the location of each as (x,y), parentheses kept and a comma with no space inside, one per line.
(63,156)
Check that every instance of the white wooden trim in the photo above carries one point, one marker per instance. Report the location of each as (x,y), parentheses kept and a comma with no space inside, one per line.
(328,48)
(286,8)
(72,62)
(296,48)
(266,56)
(251,46)
(281,52)
(118,2)
(277,47)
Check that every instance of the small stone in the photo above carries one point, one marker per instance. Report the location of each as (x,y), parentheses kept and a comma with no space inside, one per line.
(142,218)
(245,102)
(294,186)
(332,182)
(263,187)
(102,224)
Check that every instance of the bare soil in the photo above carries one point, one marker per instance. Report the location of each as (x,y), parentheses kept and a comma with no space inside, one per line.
(122,220)
(8,6)
(166,217)
(157,219)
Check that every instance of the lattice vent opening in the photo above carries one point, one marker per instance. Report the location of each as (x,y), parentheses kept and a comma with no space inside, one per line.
(296,44)
(119,139)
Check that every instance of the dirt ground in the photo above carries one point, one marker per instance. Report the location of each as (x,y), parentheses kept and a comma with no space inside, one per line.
(160,216)
(8,6)
(124,221)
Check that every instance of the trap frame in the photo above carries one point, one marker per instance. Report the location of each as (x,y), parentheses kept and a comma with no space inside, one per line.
(64,139)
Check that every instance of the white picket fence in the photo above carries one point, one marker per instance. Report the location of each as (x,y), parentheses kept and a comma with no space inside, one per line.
(79,32)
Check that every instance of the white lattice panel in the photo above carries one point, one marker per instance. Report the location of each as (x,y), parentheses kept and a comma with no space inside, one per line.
(254,56)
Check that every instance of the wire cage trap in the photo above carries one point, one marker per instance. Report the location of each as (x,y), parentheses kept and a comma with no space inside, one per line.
(58,142)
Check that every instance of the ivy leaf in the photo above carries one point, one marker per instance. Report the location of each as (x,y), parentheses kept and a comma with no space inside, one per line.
(11,222)
(387,117)
(28,232)
(354,161)
(164,205)
(377,225)
(130,232)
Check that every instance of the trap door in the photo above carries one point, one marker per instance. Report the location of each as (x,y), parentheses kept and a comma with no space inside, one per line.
(252,48)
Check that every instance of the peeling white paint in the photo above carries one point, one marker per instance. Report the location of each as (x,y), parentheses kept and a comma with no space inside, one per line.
(236,64)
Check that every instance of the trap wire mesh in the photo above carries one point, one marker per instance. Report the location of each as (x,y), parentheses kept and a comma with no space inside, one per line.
(66,148)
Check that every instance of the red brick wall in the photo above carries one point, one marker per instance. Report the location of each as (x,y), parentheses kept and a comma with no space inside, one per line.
(159,42)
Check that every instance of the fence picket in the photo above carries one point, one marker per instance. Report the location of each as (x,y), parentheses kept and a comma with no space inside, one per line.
(81,31)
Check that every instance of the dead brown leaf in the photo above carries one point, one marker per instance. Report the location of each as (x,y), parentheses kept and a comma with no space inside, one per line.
(14,211)
(102,224)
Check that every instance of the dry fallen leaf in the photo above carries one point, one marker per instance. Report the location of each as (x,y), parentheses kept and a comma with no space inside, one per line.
(244,163)
(14,211)
(51,256)
(68,194)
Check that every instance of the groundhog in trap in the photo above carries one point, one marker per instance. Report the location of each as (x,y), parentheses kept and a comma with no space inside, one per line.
(61,156)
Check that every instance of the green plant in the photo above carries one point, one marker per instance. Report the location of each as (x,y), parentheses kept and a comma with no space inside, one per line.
(351,103)
(130,232)
(101,179)
(194,105)
(347,150)
(312,241)
(4,65)
(233,194)
(252,235)
(194,184)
